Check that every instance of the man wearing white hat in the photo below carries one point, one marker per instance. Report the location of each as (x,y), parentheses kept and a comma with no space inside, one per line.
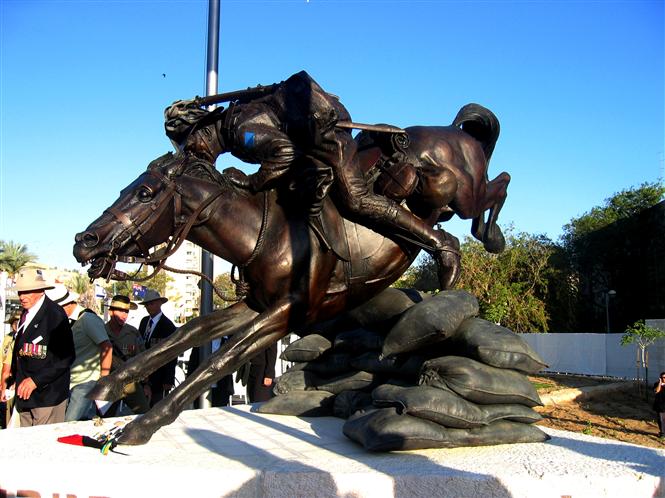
(94,352)
(43,353)
(155,328)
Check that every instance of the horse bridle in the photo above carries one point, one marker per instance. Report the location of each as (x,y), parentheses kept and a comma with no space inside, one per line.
(135,229)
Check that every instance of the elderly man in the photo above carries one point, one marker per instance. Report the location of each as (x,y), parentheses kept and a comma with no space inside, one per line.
(93,353)
(127,343)
(43,353)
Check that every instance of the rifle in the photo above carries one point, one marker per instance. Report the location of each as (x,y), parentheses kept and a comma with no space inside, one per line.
(252,93)
(246,95)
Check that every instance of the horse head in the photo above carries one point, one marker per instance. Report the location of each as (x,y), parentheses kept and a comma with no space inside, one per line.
(151,217)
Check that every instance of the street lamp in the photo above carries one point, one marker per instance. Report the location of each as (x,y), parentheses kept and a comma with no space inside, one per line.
(608,295)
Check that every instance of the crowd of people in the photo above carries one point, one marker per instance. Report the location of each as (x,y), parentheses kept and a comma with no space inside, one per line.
(57,350)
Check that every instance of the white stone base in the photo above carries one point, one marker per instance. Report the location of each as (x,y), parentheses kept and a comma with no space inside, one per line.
(236,452)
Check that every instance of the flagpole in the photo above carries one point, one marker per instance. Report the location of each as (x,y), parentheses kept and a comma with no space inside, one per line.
(212,62)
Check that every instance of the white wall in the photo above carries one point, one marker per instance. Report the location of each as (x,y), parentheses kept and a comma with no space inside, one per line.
(595,354)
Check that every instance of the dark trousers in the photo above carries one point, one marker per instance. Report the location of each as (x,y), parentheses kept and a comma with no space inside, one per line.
(256,391)
(660,418)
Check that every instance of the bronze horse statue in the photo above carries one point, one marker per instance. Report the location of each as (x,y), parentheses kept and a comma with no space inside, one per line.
(297,275)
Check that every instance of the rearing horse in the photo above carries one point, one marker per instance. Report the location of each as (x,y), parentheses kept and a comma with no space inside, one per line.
(296,278)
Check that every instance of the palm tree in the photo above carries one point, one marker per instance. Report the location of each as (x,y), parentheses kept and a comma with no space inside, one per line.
(79,283)
(14,256)
(82,285)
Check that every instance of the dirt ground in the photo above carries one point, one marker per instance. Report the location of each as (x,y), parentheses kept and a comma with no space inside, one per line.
(621,415)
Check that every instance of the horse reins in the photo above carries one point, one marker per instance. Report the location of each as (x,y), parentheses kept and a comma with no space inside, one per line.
(134,230)
(242,289)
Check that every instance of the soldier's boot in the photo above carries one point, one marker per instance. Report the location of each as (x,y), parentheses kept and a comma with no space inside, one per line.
(443,246)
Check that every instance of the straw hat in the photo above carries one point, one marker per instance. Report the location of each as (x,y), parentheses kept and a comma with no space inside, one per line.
(31,279)
(61,295)
(152,296)
(120,302)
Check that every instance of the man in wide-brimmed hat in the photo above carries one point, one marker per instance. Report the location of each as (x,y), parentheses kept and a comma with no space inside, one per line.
(43,353)
(93,352)
(127,343)
(155,328)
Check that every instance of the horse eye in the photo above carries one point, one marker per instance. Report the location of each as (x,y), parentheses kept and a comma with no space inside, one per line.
(144,194)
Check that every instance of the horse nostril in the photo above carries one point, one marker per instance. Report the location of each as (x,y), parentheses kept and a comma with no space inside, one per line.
(88,239)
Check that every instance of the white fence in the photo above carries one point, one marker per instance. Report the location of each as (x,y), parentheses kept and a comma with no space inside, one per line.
(595,354)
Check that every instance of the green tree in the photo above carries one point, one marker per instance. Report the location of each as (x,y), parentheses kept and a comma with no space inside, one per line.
(596,252)
(422,276)
(621,205)
(124,287)
(79,283)
(13,256)
(224,285)
(82,286)
(511,287)
(644,336)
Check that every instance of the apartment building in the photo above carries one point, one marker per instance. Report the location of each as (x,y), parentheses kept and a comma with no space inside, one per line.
(183,290)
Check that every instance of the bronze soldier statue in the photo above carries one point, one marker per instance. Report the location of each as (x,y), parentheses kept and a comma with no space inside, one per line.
(294,125)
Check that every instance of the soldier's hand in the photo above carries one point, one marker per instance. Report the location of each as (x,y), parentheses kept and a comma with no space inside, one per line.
(25,388)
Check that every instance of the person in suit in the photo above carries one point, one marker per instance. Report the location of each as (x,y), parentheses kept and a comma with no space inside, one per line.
(127,343)
(222,390)
(43,353)
(155,328)
(262,375)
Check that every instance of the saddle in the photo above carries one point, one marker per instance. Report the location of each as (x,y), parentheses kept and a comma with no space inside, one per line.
(352,243)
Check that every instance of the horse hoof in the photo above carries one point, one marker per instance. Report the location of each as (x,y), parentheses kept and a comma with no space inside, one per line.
(106,390)
(494,241)
(135,434)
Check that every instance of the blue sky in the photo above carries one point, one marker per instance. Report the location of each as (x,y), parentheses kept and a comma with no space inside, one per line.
(578,87)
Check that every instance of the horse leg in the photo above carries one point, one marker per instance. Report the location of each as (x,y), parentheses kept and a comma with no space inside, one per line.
(489,233)
(193,333)
(266,329)
(493,239)
(478,226)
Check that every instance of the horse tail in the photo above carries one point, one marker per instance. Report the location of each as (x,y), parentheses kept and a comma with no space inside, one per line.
(481,124)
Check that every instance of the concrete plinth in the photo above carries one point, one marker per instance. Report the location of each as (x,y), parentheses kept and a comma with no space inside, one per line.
(236,452)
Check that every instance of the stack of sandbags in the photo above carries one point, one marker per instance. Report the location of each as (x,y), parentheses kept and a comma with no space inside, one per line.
(413,372)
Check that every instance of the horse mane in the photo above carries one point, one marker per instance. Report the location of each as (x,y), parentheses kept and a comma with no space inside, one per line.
(199,168)
(185,163)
